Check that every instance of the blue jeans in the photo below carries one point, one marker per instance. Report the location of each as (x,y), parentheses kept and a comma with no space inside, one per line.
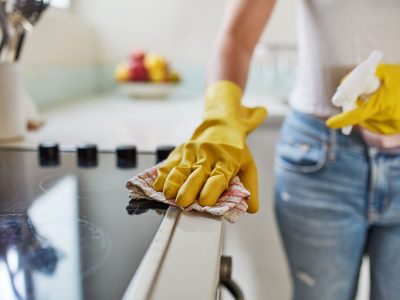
(337,199)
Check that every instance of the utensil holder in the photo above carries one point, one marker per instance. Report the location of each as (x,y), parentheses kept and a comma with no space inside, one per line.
(12,112)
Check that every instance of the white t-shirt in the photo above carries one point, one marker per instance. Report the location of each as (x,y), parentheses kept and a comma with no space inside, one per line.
(335,36)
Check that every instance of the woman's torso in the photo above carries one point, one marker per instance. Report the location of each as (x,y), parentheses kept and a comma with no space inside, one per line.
(334,36)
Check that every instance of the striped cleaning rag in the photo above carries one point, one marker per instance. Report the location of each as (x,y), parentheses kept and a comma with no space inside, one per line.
(232,203)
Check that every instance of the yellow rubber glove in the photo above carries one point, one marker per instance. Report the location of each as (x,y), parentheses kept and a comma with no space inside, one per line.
(202,167)
(379,113)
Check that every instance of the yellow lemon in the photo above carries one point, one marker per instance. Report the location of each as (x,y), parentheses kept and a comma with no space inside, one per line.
(121,72)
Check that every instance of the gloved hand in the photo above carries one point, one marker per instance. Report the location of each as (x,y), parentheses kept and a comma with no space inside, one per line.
(380,112)
(202,167)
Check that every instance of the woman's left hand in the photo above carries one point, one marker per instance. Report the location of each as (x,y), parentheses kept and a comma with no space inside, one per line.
(380,113)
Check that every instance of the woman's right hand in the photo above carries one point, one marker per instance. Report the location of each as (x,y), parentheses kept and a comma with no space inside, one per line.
(203,167)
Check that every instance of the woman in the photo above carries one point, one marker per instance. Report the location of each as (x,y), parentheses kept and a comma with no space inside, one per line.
(337,196)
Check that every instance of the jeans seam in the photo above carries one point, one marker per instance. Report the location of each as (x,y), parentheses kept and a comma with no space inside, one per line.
(332,146)
(371,211)
(389,197)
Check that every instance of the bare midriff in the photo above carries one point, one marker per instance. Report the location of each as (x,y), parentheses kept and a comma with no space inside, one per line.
(386,142)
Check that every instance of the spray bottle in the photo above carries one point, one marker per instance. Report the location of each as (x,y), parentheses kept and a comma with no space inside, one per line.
(359,83)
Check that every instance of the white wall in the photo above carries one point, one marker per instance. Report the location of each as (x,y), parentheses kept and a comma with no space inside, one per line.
(60,38)
(103,31)
(71,52)
(181,29)
(60,57)
(282,25)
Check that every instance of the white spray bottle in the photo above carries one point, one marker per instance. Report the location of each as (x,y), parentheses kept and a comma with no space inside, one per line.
(360,82)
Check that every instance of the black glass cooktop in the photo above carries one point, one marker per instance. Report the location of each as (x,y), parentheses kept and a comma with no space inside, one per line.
(65,229)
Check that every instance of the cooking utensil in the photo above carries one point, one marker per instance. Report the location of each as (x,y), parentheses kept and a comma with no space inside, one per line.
(28,13)
(31,10)
(4,28)
(17,17)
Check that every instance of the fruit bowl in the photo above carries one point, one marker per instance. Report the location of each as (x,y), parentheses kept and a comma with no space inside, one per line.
(147,90)
(146,75)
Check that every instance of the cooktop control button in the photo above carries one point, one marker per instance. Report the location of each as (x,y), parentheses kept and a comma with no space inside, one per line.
(49,154)
(87,155)
(126,156)
(163,152)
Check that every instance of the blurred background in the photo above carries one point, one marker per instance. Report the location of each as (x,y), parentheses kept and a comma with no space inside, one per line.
(77,43)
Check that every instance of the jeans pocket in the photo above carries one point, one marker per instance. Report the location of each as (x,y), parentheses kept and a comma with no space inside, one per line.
(300,152)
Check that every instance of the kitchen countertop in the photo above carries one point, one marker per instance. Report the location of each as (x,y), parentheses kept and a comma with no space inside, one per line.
(188,246)
(112,119)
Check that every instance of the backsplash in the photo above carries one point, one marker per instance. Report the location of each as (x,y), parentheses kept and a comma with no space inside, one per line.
(57,85)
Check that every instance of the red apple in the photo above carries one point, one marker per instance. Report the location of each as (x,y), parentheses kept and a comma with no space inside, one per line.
(138,72)
(138,55)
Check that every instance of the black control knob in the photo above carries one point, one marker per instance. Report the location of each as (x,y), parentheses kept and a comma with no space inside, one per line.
(87,155)
(162,152)
(49,154)
(126,156)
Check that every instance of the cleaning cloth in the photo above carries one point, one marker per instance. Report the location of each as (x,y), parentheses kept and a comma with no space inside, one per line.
(232,203)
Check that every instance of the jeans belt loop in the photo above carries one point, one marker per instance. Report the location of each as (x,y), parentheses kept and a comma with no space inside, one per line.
(332,144)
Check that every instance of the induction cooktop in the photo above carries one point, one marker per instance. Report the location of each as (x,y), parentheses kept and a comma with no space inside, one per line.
(66,228)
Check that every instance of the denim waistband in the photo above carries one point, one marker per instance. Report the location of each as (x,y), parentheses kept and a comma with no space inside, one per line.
(315,126)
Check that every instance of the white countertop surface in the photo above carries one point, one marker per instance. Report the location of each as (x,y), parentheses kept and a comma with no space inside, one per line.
(112,119)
